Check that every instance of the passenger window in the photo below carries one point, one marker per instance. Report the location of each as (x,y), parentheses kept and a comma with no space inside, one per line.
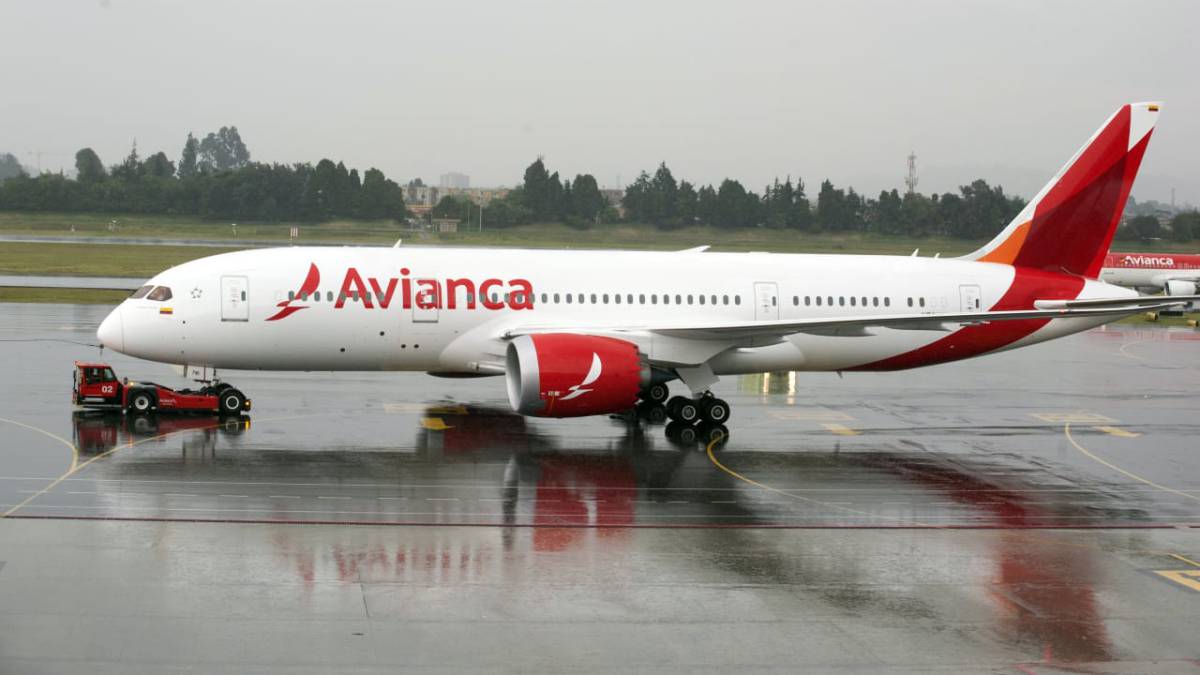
(795,301)
(713,299)
(617,298)
(678,299)
(556,300)
(159,294)
(841,301)
(543,298)
(654,298)
(724,299)
(641,298)
(579,298)
(140,293)
(666,299)
(629,298)
(568,298)
(922,302)
(807,300)
(910,302)
(818,301)
(605,298)
(317,296)
(887,302)
(852,301)
(737,299)
(875,302)
(689,299)
(773,301)
(109,376)
(701,299)
(593,298)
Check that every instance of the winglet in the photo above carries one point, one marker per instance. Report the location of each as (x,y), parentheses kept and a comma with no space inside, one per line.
(696,249)
(1070,224)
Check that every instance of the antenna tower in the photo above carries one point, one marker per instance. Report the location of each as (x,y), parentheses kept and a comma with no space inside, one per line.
(910,181)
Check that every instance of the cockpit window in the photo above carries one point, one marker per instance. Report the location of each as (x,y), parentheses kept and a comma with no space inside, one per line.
(140,293)
(159,293)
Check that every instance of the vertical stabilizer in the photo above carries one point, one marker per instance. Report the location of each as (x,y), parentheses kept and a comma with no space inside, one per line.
(1069,225)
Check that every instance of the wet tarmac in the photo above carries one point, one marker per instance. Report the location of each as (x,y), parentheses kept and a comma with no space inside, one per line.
(1035,511)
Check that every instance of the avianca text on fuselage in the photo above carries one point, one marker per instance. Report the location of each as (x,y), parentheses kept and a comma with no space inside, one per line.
(426,293)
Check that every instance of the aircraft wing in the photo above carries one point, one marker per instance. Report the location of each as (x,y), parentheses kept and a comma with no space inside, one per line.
(737,331)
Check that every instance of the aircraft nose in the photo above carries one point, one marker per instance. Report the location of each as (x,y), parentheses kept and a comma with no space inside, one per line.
(111,332)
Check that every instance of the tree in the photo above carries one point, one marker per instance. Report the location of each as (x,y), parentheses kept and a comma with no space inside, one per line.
(586,201)
(131,168)
(223,151)
(158,166)
(88,167)
(10,167)
(1185,226)
(187,160)
(379,197)
(1145,227)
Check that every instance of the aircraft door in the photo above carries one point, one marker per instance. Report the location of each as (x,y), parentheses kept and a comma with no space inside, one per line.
(235,301)
(426,302)
(972,299)
(766,301)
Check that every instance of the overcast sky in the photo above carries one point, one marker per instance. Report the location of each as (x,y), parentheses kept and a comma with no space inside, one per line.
(1004,90)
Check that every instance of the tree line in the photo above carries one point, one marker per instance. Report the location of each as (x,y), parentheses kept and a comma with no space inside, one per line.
(214,178)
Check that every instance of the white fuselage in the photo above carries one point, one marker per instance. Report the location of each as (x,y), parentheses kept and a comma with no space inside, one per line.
(225,310)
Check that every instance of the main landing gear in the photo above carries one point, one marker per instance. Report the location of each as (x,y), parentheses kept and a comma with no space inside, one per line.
(700,419)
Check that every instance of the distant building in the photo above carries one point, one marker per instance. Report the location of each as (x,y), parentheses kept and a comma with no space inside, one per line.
(455,180)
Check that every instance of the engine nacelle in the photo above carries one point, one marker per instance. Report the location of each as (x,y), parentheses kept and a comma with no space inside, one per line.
(1182,287)
(567,375)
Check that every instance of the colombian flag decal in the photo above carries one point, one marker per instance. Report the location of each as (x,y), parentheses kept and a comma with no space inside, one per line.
(165,310)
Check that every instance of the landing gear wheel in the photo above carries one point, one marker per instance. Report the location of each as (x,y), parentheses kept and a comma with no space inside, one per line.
(231,402)
(141,402)
(656,393)
(681,433)
(683,409)
(714,410)
(716,434)
(654,413)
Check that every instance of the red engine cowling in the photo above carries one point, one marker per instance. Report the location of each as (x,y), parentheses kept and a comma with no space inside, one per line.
(566,375)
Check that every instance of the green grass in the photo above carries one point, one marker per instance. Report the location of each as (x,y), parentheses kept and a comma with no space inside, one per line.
(74,296)
(115,260)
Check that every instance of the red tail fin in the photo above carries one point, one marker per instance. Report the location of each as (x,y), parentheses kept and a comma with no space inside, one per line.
(1069,225)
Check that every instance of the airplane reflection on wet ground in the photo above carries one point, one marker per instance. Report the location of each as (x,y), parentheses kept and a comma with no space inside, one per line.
(890,523)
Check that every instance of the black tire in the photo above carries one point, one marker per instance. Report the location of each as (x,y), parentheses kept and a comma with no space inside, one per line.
(141,402)
(681,433)
(231,402)
(714,410)
(712,433)
(656,393)
(683,409)
(654,413)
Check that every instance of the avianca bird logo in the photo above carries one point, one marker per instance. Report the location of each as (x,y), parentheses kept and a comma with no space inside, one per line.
(286,308)
(577,390)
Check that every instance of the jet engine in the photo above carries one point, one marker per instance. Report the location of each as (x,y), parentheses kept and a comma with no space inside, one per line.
(567,375)
(1182,287)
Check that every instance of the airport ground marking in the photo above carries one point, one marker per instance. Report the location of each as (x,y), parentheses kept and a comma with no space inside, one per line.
(1187,578)
(1117,431)
(77,466)
(708,449)
(434,424)
(1126,354)
(840,429)
(60,439)
(1184,559)
(1077,417)
(1114,467)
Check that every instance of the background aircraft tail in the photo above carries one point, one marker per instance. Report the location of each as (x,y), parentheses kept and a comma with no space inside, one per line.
(1069,225)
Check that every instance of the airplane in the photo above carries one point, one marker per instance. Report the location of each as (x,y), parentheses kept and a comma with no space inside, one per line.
(1175,273)
(582,332)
